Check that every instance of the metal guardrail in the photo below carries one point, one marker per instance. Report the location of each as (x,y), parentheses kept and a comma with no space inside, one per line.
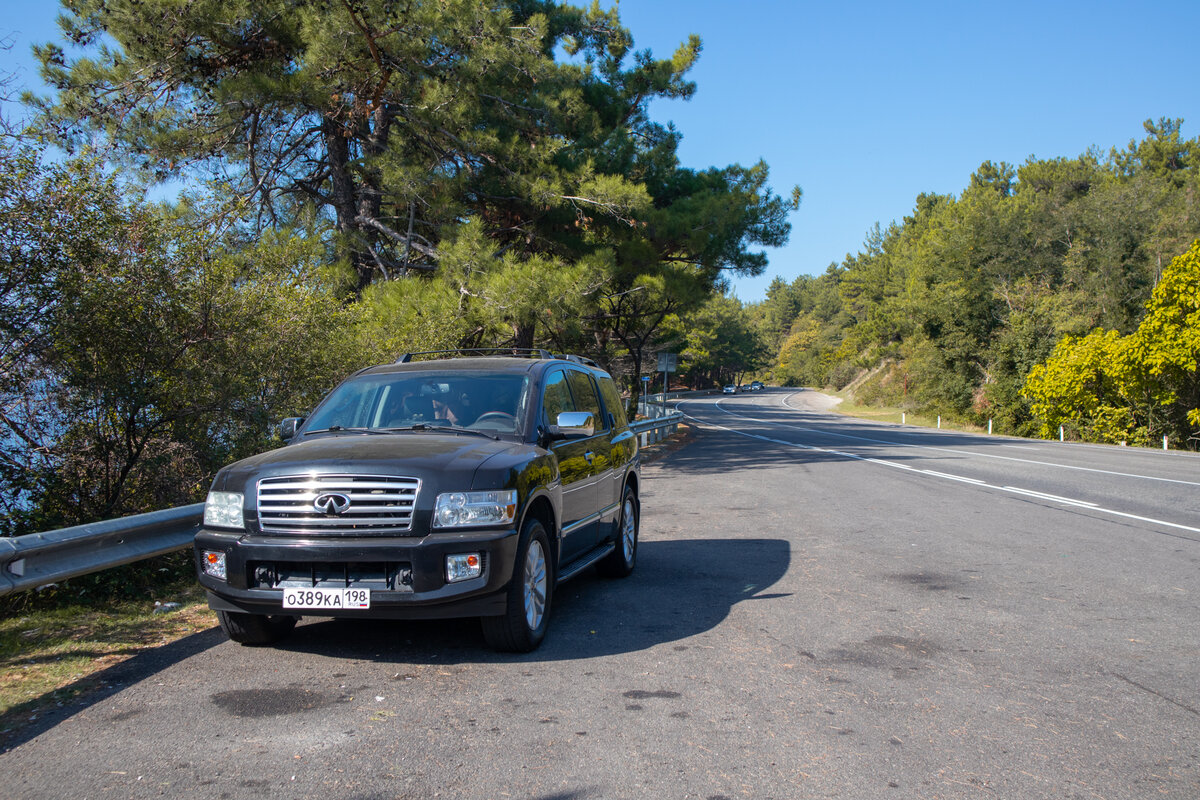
(37,559)
(657,429)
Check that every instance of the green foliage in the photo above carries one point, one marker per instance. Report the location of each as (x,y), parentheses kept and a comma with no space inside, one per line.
(968,293)
(398,121)
(1084,386)
(1133,388)
(719,342)
(150,347)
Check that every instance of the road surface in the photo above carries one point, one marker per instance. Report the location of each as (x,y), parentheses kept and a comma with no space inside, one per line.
(822,608)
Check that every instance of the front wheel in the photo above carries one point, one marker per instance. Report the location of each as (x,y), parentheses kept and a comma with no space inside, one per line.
(256,628)
(621,561)
(523,624)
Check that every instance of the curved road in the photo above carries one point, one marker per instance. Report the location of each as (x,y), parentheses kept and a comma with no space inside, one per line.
(823,607)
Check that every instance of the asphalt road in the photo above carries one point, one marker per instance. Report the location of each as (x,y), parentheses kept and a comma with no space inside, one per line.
(822,608)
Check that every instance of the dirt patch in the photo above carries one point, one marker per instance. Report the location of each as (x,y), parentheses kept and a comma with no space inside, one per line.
(809,400)
(682,436)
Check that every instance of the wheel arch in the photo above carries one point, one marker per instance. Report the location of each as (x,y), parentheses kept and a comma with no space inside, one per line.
(632,481)
(542,509)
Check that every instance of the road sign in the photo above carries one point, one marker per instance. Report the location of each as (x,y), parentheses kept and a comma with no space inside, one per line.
(667,362)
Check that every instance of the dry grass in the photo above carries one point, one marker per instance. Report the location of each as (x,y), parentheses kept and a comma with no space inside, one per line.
(49,657)
(892,414)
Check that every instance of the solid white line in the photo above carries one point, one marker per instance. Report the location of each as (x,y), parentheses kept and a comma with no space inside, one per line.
(935,473)
(1082,504)
(957,452)
(1045,496)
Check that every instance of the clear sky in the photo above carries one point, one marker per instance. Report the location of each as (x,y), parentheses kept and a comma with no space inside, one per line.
(867,104)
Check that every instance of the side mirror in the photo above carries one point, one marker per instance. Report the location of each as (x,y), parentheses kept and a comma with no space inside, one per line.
(288,428)
(575,425)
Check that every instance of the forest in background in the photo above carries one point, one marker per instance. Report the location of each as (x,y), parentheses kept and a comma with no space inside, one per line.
(1063,292)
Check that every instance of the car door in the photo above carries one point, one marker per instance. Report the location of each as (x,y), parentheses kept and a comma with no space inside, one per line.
(623,448)
(578,523)
(600,496)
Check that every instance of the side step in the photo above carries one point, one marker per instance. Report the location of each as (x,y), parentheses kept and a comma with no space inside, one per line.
(584,561)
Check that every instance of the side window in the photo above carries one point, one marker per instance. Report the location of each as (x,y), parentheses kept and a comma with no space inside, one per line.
(556,397)
(586,398)
(612,403)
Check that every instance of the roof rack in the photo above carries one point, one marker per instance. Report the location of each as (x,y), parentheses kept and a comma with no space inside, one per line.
(532,352)
(577,359)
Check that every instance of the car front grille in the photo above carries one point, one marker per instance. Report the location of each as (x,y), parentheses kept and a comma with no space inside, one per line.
(382,576)
(378,505)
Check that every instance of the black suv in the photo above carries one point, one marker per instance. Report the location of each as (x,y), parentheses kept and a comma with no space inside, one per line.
(433,487)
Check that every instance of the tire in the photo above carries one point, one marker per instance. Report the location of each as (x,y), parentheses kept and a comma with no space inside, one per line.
(620,562)
(256,629)
(521,628)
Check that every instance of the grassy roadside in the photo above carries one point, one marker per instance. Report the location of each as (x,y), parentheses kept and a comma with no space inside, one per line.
(49,657)
(896,415)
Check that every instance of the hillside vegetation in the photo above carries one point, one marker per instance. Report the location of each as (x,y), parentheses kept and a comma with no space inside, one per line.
(1060,292)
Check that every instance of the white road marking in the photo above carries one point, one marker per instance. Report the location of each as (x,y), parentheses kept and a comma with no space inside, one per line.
(957,452)
(1082,504)
(1054,497)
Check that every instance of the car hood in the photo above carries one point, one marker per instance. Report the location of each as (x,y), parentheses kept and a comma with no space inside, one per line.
(434,458)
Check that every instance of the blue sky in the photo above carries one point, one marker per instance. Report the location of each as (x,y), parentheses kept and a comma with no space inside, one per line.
(867,104)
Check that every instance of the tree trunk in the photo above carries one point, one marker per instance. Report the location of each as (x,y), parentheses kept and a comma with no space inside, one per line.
(343,197)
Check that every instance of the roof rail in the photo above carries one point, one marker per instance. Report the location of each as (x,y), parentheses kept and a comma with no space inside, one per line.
(577,359)
(532,352)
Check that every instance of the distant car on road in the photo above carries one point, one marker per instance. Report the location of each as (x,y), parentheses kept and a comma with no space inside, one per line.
(756,386)
(730,389)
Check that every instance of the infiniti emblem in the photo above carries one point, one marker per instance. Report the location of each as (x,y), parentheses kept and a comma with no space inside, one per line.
(332,503)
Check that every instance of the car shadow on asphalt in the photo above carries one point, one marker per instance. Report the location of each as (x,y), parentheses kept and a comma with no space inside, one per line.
(681,589)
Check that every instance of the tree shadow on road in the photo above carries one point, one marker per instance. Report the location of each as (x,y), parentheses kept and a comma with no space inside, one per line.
(29,720)
(713,452)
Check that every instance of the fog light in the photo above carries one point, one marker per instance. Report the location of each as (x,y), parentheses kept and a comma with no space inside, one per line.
(463,567)
(214,563)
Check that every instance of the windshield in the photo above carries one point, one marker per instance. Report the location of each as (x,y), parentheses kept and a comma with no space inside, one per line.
(474,400)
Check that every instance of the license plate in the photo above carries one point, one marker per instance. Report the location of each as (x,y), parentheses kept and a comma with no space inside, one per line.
(326,599)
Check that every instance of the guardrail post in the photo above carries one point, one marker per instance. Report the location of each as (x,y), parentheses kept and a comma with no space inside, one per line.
(1164,441)
(989,427)
(1060,433)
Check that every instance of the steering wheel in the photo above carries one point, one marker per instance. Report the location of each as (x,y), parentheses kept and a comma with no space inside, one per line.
(496,416)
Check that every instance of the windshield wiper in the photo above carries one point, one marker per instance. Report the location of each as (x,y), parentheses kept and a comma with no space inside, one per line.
(421,426)
(341,429)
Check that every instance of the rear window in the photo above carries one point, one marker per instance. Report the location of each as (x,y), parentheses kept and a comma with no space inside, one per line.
(584,390)
(612,402)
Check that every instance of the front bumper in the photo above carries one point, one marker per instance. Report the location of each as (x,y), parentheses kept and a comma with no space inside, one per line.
(406,575)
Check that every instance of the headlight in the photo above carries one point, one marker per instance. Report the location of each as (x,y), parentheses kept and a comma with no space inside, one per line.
(224,510)
(456,509)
